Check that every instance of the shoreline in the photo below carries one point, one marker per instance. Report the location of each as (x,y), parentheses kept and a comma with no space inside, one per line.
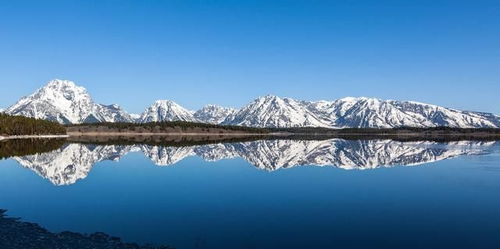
(32,136)
(112,134)
(478,135)
(404,136)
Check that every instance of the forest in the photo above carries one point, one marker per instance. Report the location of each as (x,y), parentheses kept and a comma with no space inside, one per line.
(163,127)
(19,125)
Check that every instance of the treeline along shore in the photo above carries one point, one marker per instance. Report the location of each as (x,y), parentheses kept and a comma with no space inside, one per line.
(18,126)
(151,128)
(190,128)
(401,133)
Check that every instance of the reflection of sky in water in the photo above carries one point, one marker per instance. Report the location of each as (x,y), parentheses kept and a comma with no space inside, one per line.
(229,204)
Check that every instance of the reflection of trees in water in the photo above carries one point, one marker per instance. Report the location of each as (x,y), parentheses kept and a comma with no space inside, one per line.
(173,141)
(20,234)
(24,147)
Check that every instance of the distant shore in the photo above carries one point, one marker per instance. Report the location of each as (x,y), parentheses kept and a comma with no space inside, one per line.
(199,131)
(208,131)
(32,136)
(128,133)
(285,134)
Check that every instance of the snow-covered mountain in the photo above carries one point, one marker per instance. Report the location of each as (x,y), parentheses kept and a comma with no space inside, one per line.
(214,114)
(273,111)
(65,102)
(74,161)
(166,110)
(372,112)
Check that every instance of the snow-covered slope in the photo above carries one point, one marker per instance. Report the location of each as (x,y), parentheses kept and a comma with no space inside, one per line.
(214,114)
(136,117)
(65,102)
(273,111)
(167,110)
(372,112)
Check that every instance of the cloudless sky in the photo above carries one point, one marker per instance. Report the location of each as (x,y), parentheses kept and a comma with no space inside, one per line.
(230,52)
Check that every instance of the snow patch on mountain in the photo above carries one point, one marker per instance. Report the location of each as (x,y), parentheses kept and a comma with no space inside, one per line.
(136,117)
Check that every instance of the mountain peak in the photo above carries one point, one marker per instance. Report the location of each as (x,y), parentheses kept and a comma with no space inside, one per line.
(355,99)
(164,102)
(166,110)
(211,106)
(268,97)
(65,102)
(61,83)
(274,111)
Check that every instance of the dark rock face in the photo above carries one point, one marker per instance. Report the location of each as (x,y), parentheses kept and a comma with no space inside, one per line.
(19,234)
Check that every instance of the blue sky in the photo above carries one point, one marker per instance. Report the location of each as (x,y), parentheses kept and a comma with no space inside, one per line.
(230,52)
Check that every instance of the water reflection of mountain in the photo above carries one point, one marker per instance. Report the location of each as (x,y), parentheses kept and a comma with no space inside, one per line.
(72,162)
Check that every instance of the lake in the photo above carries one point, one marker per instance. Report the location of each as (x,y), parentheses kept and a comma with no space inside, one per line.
(283,193)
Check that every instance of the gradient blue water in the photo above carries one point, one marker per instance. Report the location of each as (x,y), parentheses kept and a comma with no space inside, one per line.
(230,204)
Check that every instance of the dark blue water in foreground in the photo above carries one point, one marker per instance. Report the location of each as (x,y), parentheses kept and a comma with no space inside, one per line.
(193,203)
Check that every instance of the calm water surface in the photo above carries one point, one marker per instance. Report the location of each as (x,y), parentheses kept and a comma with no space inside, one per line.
(266,194)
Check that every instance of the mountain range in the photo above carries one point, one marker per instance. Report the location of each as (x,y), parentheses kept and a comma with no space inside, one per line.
(72,162)
(65,102)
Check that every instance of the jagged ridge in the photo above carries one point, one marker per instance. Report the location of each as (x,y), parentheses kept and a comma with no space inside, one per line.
(64,102)
(214,114)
